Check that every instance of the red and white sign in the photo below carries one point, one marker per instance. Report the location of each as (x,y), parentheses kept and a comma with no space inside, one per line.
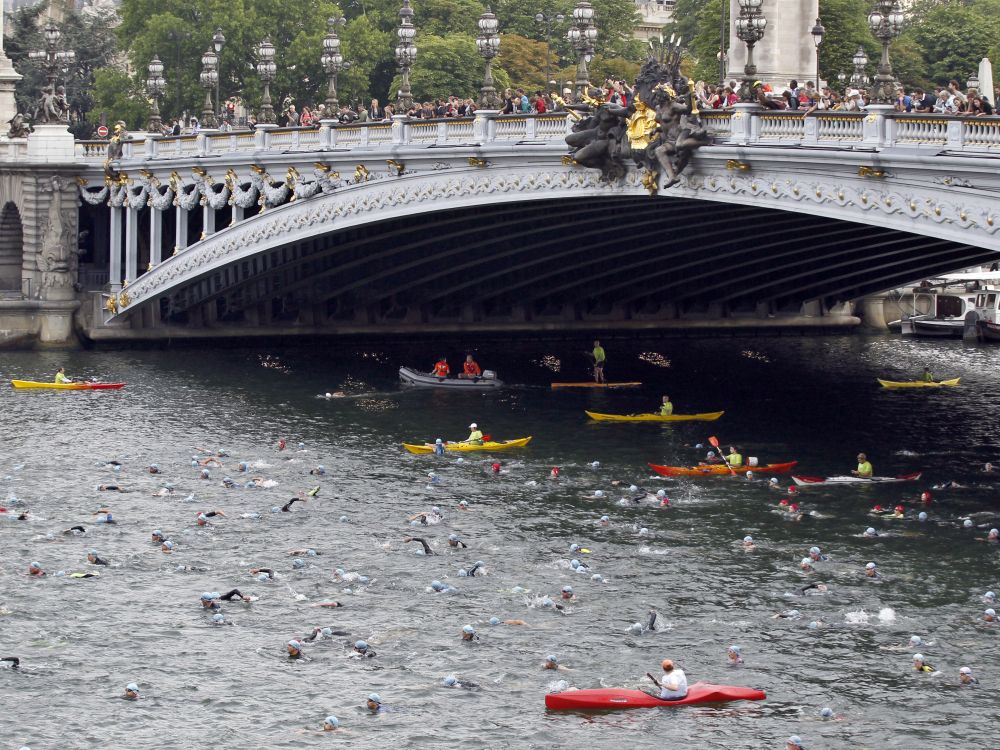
(102,131)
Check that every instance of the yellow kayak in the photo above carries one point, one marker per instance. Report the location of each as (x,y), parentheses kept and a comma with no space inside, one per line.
(917,383)
(25,384)
(463,447)
(709,416)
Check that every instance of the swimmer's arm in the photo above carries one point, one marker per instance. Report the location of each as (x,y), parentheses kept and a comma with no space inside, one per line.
(228,596)
(463,545)
(255,571)
(331,605)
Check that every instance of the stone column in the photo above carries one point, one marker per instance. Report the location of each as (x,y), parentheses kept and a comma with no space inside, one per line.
(237,215)
(180,230)
(115,267)
(155,237)
(207,221)
(131,245)
(786,52)
(8,78)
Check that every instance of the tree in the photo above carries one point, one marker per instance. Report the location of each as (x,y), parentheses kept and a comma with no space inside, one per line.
(118,98)
(846,23)
(525,61)
(954,37)
(449,65)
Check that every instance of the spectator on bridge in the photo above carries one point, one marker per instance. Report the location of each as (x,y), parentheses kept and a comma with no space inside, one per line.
(175,129)
(923,102)
(904,103)
(538,103)
(955,90)
(946,103)
(347,115)
(792,99)
(375,112)
(388,112)
(728,98)
(306,119)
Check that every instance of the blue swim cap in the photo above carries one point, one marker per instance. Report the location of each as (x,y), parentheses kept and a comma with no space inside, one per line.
(574,548)
(302,445)
(321,468)
(453,537)
(437,585)
(547,602)
(748,538)
(218,618)
(567,589)
(157,532)
(244,466)
(375,698)
(814,551)
(735,649)
(363,580)
(468,629)
(132,687)
(311,552)
(168,544)
(922,516)
(207,596)
(34,565)
(216,595)
(495,620)
(450,681)
(202,517)
(574,563)
(298,563)
(343,519)
(552,659)
(795,740)
(333,721)
(204,472)
(92,552)
(297,645)
(826,712)
(108,518)
(327,632)
(361,645)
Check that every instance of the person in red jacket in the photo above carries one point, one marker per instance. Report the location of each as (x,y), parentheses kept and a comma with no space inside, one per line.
(470,368)
(441,368)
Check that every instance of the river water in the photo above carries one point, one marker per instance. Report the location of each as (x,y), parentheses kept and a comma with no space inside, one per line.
(812,400)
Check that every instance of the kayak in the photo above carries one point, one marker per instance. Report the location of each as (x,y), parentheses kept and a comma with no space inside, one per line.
(615,699)
(917,383)
(708,416)
(596,385)
(21,384)
(812,481)
(463,447)
(422,379)
(709,470)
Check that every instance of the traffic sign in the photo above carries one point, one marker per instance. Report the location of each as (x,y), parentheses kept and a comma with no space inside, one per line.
(102,131)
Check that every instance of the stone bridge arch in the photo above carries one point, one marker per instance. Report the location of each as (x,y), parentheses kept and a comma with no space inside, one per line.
(11,248)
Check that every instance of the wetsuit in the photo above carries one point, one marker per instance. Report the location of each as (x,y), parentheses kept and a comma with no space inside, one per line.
(287,507)
(15,661)
(651,624)
(473,569)
(71,529)
(270,573)
(98,561)
(228,596)
(457,543)
(427,549)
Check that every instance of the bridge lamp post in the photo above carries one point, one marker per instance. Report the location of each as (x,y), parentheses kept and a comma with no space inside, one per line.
(266,70)
(488,43)
(209,80)
(973,83)
(582,36)
(218,43)
(817,34)
(750,30)
(333,62)
(548,21)
(406,55)
(155,86)
(52,57)
(860,77)
(886,22)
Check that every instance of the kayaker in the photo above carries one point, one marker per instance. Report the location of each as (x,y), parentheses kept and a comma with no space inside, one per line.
(926,376)
(441,368)
(673,686)
(735,458)
(864,467)
(61,376)
(470,368)
(599,359)
(475,436)
(667,408)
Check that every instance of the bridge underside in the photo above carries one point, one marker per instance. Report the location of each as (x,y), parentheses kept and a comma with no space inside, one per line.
(618,261)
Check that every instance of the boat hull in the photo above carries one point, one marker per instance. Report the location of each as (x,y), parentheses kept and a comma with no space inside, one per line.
(987,330)
(937,328)
(617,699)
(802,481)
(710,416)
(596,385)
(423,380)
(468,447)
(918,383)
(32,385)
(714,470)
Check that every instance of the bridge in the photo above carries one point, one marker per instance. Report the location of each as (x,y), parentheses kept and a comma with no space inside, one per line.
(484,224)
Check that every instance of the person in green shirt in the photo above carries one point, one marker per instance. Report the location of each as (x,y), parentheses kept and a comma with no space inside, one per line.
(476,435)
(667,409)
(926,377)
(599,359)
(864,467)
(61,376)
(735,458)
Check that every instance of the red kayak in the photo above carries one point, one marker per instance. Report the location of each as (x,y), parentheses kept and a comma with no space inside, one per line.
(614,699)
(716,470)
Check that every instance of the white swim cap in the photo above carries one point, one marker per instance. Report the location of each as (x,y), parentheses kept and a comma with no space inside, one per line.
(633,488)
(968,523)
(826,712)
(915,640)
(989,595)
(661,493)
(922,516)
(773,480)
(595,464)
(965,670)
(870,531)
(749,475)
(333,721)
(806,561)
(870,566)
(814,551)
(598,493)
(748,538)
(990,612)
(473,426)
(918,657)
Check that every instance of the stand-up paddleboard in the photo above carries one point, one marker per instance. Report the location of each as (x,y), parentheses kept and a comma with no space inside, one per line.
(596,385)
(816,481)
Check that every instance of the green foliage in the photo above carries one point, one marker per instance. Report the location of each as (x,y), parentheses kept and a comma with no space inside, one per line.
(846,23)
(117,97)
(449,65)
(954,37)
(524,60)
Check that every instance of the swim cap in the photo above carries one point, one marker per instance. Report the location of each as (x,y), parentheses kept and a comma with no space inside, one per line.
(298,563)
(574,563)
(795,740)
(806,562)
(661,493)
(643,531)
(567,589)
(479,563)
(635,628)
(207,596)
(826,712)
(333,721)
(363,580)
(157,532)
(597,578)
(218,619)
(204,472)
(598,493)
(463,573)
(870,531)
(900,509)
(297,645)
(459,460)
(275,509)
(783,502)
(748,538)
(915,640)
(870,566)
(711,454)
(633,488)
(735,649)
(968,523)
(495,620)
(595,464)
(437,585)
(921,516)
(473,426)
(965,670)
(202,517)
(667,664)
(773,480)
(698,445)
(468,629)
(463,503)
(547,602)
(994,532)
(918,657)
(311,552)
(990,612)
(375,698)
(989,595)
(343,519)
(749,475)
(436,510)
(551,659)
(168,544)
(263,577)
(605,518)
(450,681)
(132,687)
(813,625)
(92,552)
(574,547)
(361,645)
(438,441)
(339,572)
(327,632)
(453,537)
(814,550)
(302,445)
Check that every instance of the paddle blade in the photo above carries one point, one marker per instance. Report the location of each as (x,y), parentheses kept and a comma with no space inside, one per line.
(714,441)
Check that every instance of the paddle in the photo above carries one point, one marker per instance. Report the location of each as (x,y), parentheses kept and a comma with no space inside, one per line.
(655,681)
(715,442)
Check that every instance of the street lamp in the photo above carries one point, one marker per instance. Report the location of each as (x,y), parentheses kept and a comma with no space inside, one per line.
(406,55)
(155,86)
(51,57)
(548,21)
(488,43)
(582,36)
(218,42)
(886,22)
(973,83)
(333,63)
(860,77)
(817,34)
(266,70)
(750,29)
(209,79)
(722,57)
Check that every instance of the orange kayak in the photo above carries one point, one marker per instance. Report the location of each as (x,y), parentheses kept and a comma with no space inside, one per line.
(711,470)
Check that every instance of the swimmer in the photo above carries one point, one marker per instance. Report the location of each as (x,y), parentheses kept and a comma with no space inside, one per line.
(925,497)
(75,530)
(308,551)
(711,458)
(294,649)
(577,548)
(990,615)
(228,483)
(788,614)
(331,723)
(748,543)
(554,474)
(816,555)
(733,656)
(109,488)
(919,665)
(157,536)
(989,598)
(567,594)
(153,469)
(476,567)
(281,444)
(94,559)
(362,649)
(603,521)
(454,541)
(870,532)
(15,661)
(267,572)
(202,518)
(451,681)
(551,662)
(871,571)
(167,548)
(374,703)
(463,504)
(318,471)
(498,621)
(965,677)
(422,541)
(813,589)
(495,467)
(34,569)
(442,588)
(806,565)
(328,605)
(469,633)
(131,692)
(326,632)
(794,743)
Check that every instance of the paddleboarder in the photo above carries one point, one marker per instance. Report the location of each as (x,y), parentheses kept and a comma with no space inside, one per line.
(599,359)
(864,467)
